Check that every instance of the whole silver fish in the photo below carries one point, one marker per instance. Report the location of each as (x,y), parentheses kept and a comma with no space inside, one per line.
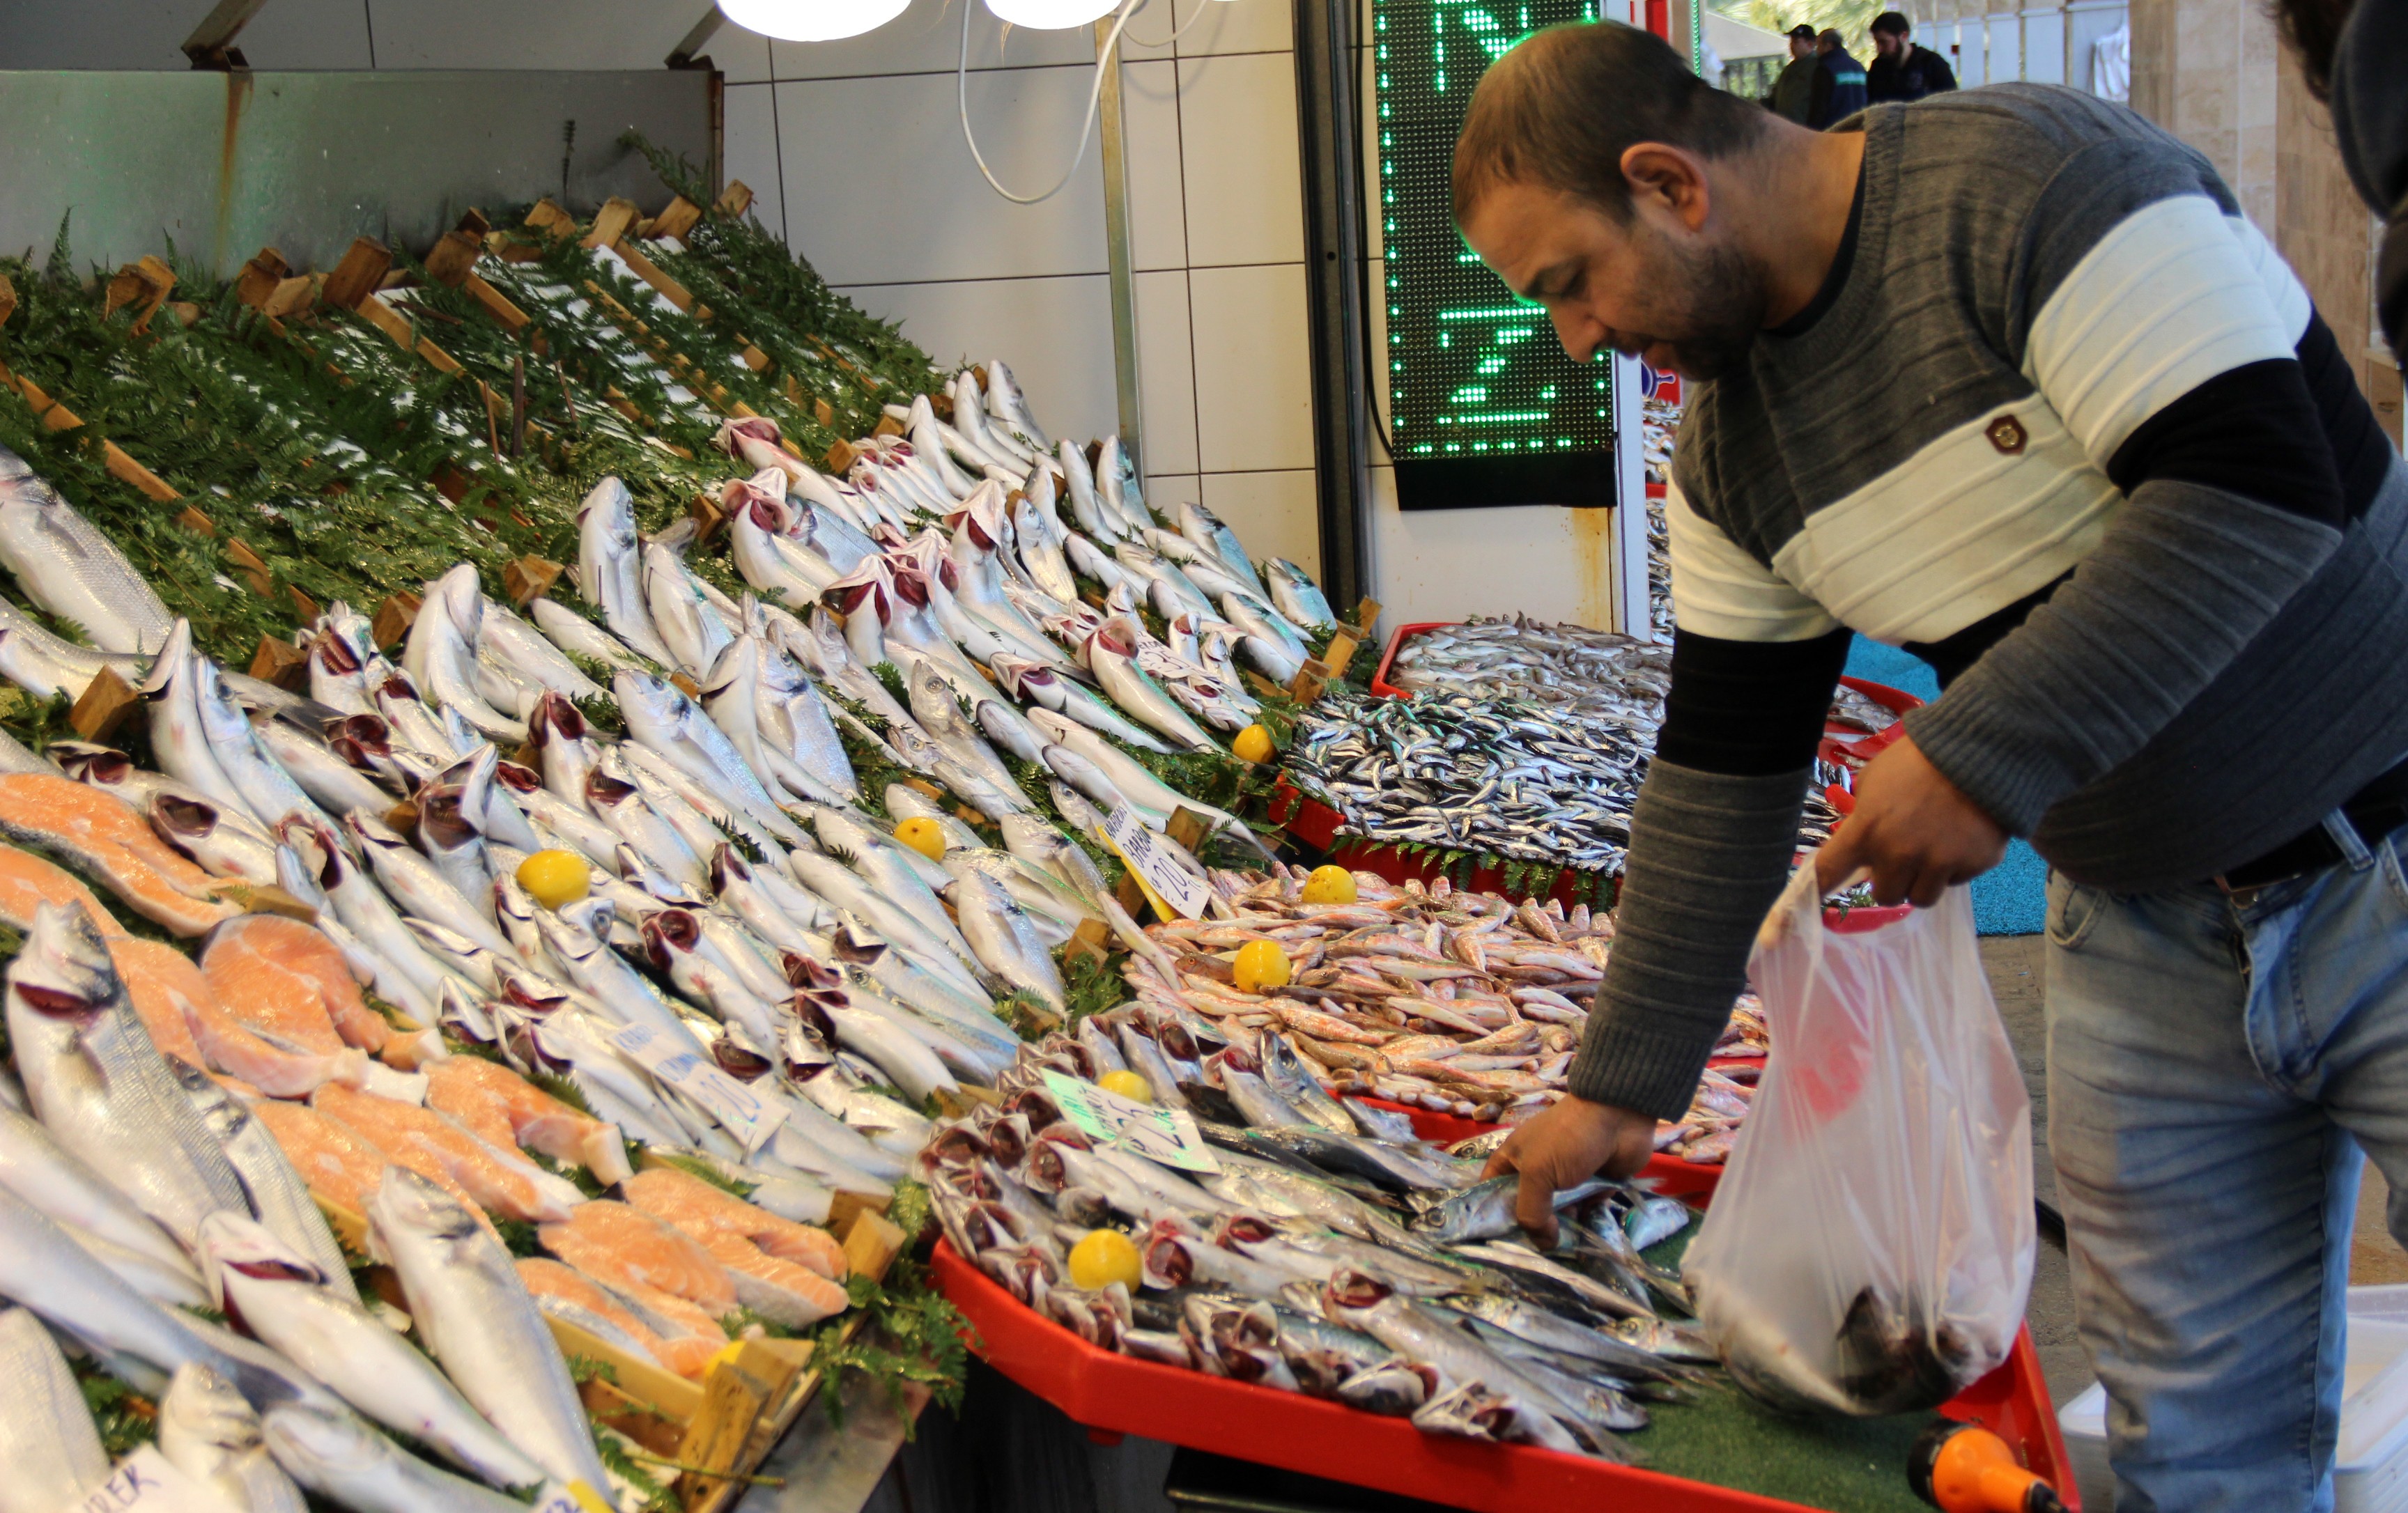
(478,1321)
(578,636)
(44,1173)
(613,795)
(530,655)
(277,1194)
(337,1456)
(609,569)
(268,791)
(286,1300)
(1113,657)
(97,1083)
(413,977)
(1009,407)
(1295,594)
(415,884)
(42,1268)
(1484,1210)
(664,719)
(70,569)
(326,778)
(441,654)
(794,720)
(49,1448)
(689,625)
(179,739)
(1002,936)
(218,845)
(452,826)
(45,665)
(210,1433)
(596,969)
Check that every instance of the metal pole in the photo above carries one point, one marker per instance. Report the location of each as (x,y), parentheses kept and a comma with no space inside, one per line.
(211,44)
(1327,103)
(1117,248)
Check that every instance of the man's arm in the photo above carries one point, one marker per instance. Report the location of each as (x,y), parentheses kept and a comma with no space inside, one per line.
(2168,349)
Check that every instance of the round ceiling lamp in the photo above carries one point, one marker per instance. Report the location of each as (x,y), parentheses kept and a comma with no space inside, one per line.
(1045,15)
(811,21)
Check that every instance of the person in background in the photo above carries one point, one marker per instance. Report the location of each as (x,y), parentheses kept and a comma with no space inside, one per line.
(1839,83)
(1793,92)
(2007,379)
(2351,55)
(1902,71)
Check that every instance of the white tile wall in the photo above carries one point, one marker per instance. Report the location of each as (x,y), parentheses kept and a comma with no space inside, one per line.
(1253,403)
(751,117)
(1238,163)
(1057,334)
(1167,371)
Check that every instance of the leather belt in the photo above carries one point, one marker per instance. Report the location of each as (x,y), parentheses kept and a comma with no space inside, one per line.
(2375,812)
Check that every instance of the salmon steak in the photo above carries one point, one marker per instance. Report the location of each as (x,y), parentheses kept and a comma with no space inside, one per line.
(104,835)
(505,1110)
(681,1338)
(287,980)
(501,1181)
(27,882)
(693,1205)
(622,1247)
(187,1021)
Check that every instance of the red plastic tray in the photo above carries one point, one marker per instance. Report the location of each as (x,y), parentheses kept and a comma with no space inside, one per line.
(1113,1394)
(1380,684)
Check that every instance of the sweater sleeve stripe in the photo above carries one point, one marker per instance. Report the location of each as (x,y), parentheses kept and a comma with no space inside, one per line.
(1718,589)
(2167,299)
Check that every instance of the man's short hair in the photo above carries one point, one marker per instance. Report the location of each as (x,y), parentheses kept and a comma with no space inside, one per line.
(1892,23)
(1831,38)
(1561,108)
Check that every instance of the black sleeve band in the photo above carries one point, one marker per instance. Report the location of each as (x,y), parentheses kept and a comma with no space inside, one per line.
(1748,708)
(2254,431)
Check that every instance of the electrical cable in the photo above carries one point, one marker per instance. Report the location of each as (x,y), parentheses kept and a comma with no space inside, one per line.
(1177,31)
(1086,130)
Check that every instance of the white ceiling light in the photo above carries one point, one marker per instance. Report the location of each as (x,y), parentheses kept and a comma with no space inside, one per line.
(1049,14)
(811,21)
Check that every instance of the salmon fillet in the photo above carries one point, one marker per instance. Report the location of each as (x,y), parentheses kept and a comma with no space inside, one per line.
(27,882)
(778,1290)
(692,1337)
(103,833)
(285,979)
(505,1109)
(185,1019)
(625,1248)
(500,1181)
(694,1206)
(339,1167)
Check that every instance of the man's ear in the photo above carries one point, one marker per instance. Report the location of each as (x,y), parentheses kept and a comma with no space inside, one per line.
(1672,179)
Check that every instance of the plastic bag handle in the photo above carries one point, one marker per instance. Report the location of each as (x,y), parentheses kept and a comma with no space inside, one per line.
(1800,894)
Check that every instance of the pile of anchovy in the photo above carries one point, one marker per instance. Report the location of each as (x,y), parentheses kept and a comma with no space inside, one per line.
(1592,674)
(1504,776)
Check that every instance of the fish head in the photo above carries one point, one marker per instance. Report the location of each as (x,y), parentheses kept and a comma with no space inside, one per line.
(203,1406)
(736,1056)
(670,934)
(736,667)
(727,866)
(803,1051)
(592,914)
(555,716)
(610,509)
(444,818)
(407,1209)
(811,1011)
(757,428)
(1056,726)
(174,657)
(236,1249)
(1348,1291)
(63,972)
(654,700)
(854,943)
(102,766)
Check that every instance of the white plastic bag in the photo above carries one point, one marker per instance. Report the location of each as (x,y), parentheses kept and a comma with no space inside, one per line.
(1871,1245)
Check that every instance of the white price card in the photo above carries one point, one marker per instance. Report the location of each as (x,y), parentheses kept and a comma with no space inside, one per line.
(743,1112)
(1141,848)
(1158,1134)
(147,1480)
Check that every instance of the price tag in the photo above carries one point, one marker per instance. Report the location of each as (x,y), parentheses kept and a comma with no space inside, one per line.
(573,1497)
(740,1110)
(146,1481)
(1158,1134)
(1142,851)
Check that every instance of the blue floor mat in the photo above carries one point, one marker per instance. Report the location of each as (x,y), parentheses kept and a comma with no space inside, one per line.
(2010,898)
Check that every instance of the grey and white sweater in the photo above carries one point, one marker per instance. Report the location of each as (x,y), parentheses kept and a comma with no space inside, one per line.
(2063,423)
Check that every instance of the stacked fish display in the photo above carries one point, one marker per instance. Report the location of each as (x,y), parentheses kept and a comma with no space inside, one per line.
(1457,1002)
(1325,1251)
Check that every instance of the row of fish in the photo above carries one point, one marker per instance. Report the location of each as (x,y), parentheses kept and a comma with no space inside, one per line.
(1321,1250)
(1457,1002)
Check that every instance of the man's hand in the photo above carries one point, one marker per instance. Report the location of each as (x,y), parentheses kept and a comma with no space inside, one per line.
(1564,1147)
(1914,831)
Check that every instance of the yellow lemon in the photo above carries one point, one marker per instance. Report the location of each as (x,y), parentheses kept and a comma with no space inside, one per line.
(1129,1085)
(1262,965)
(923,835)
(1103,1257)
(556,877)
(1329,885)
(1254,744)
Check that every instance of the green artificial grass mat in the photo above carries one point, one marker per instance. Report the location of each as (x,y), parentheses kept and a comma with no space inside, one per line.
(1850,1466)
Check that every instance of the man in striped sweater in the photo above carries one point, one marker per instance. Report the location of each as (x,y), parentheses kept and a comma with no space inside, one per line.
(2006,379)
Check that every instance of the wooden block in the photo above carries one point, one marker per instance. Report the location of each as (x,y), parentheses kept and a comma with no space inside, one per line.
(1308,684)
(450,482)
(610,223)
(252,568)
(494,302)
(686,686)
(283,664)
(872,1244)
(773,1367)
(887,426)
(393,618)
(403,818)
(1131,895)
(754,358)
(942,403)
(550,219)
(840,458)
(192,520)
(141,286)
(264,898)
(821,410)
(452,257)
(1258,682)
(630,1414)
(1087,940)
(184,311)
(350,1229)
(292,297)
(530,578)
(845,1206)
(127,470)
(733,200)
(1187,828)
(259,275)
(732,1400)
(681,215)
(356,277)
(706,515)
(304,609)
(104,705)
(672,1394)
(8,307)
(646,269)
(1366,615)
(1340,653)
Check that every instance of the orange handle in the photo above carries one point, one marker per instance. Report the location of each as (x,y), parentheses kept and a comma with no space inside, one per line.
(1964,1468)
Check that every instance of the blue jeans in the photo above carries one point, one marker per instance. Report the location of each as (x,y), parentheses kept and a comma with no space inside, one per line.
(2215,1067)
